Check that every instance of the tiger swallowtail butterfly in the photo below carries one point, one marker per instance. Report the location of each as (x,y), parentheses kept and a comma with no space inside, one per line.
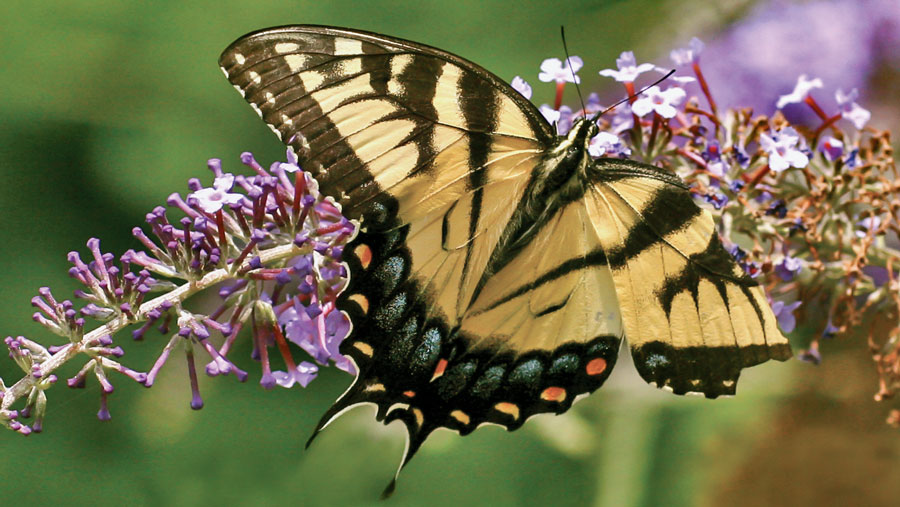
(497,265)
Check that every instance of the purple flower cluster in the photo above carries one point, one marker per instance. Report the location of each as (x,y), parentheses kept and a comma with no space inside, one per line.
(270,242)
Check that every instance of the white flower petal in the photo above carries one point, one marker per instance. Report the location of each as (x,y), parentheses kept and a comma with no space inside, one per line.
(846,98)
(521,86)
(551,65)
(575,62)
(610,73)
(224,183)
(857,115)
(665,110)
(796,158)
(642,106)
(696,46)
(801,90)
(777,163)
(644,67)
(552,115)
(674,95)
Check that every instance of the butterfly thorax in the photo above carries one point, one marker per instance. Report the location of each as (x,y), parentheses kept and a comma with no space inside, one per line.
(559,179)
(562,174)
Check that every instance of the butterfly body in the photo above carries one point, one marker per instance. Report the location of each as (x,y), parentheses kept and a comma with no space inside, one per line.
(497,266)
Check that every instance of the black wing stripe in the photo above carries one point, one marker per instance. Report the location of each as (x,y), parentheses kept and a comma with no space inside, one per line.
(670,210)
(594,258)
(479,107)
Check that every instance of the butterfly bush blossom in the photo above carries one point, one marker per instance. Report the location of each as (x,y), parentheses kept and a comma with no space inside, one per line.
(269,245)
(808,210)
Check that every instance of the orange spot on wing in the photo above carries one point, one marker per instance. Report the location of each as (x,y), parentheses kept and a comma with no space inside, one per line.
(365,348)
(441,366)
(596,366)
(461,416)
(409,394)
(508,408)
(554,394)
(361,300)
(420,417)
(364,254)
(377,388)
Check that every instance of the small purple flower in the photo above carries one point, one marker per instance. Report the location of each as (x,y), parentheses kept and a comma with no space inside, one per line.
(878,274)
(830,330)
(604,143)
(850,110)
(852,158)
(566,118)
(782,149)
(712,153)
(718,169)
(661,102)
(832,148)
(550,114)
(303,329)
(521,86)
(717,199)
(868,225)
(592,105)
(810,355)
(741,156)
(211,200)
(303,374)
(784,314)
(628,69)
(751,268)
(688,55)
(788,268)
(778,209)
(553,69)
(562,117)
(765,194)
(801,90)
(737,252)
(623,119)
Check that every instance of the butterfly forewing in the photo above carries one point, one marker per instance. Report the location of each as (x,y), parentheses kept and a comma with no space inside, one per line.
(365,112)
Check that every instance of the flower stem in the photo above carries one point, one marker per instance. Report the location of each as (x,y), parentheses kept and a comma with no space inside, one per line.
(26,383)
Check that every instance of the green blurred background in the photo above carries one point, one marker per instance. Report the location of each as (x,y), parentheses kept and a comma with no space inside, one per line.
(108,107)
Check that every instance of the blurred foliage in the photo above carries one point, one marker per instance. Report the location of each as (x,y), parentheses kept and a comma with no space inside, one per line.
(110,106)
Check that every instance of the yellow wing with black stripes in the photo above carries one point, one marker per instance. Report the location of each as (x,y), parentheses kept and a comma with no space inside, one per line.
(497,266)
(692,316)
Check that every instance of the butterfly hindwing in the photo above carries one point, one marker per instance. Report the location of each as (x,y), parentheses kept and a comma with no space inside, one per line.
(416,368)
(692,316)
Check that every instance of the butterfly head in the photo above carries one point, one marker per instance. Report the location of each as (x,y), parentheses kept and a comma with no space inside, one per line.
(583,129)
(573,149)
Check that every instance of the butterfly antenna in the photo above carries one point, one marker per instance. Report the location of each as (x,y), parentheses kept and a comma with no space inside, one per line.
(562,33)
(642,90)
